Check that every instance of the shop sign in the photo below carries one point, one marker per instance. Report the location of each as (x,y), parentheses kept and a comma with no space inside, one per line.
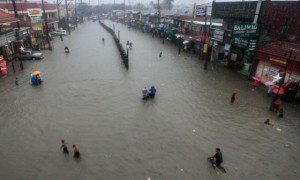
(218,35)
(34,12)
(244,30)
(252,45)
(205,48)
(240,43)
(280,61)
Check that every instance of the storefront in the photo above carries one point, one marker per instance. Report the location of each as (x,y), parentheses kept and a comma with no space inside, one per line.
(278,58)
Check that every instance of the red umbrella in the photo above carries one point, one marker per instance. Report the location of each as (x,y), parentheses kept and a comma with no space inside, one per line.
(278,91)
(256,78)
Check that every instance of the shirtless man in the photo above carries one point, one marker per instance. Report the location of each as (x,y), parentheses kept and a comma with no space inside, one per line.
(76,151)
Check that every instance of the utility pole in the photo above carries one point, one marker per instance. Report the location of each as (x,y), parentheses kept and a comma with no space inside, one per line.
(18,39)
(67,20)
(124,11)
(58,14)
(46,26)
(158,9)
(75,14)
(257,11)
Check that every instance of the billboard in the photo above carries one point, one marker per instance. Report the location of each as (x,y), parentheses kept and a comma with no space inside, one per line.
(199,11)
(34,12)
(36,23)
(234,10)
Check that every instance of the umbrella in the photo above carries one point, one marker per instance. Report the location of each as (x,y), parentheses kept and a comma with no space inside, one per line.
(279,91)
(36,73)
(268,83)
(256,78)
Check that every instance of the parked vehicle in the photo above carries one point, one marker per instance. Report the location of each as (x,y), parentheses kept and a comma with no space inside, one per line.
(30,55)
(59,32)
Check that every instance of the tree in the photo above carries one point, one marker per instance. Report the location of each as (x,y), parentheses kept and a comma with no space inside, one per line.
(169,3)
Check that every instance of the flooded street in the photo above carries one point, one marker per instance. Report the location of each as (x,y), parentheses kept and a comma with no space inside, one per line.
(88,98)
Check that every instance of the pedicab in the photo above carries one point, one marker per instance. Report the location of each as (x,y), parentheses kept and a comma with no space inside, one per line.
(36,78)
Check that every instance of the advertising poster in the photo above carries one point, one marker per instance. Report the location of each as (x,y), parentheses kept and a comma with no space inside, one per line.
(36,23)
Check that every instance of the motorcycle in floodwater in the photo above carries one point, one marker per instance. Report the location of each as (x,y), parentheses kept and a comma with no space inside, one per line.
(218,168)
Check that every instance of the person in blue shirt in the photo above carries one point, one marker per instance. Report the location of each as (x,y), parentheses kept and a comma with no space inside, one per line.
(152,92)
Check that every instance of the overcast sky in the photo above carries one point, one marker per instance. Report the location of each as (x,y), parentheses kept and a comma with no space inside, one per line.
(144,1)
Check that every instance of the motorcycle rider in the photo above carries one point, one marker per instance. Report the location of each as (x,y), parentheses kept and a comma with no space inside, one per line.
(217,159)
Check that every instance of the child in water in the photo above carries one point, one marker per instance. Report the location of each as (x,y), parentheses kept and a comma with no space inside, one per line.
(64,146)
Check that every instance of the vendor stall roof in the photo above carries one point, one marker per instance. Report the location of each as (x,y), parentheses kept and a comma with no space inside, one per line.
(203,23)
(208,23)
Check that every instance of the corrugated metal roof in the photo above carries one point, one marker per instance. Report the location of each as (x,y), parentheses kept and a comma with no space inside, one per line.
(7,18)
(281,49)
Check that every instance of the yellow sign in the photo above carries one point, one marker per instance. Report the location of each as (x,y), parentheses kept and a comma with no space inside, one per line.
(205,48)
(277,60)
(34,12)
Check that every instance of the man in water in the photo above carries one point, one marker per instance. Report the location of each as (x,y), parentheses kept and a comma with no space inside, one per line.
(76,151)
(17,81)
(217,159)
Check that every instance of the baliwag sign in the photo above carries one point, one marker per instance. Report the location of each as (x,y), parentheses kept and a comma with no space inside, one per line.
(244,30)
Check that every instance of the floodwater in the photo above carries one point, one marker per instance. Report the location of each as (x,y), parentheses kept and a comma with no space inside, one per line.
(88,98)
